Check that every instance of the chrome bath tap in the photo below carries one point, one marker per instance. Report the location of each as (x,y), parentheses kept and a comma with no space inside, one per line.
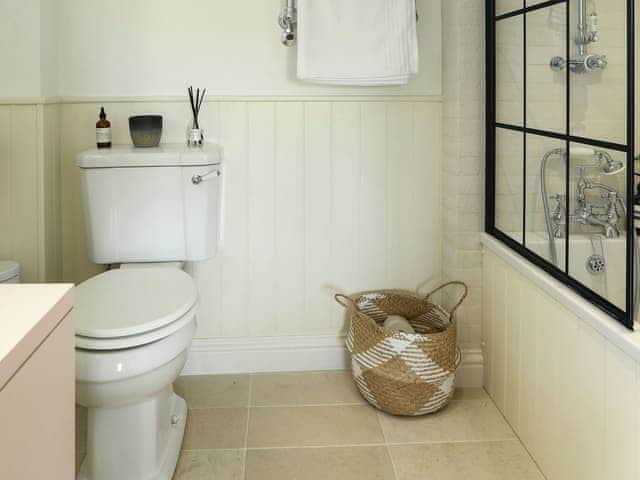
(609,218)
(559,217)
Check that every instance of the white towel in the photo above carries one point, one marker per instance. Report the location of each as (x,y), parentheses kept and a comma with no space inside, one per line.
(357,42)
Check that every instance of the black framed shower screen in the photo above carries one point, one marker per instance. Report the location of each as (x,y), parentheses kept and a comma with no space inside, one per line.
(624,314)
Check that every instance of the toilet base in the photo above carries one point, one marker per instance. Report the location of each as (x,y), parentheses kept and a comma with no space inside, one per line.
(133,458)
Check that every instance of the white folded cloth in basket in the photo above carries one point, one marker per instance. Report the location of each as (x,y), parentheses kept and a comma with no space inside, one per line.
(357,42)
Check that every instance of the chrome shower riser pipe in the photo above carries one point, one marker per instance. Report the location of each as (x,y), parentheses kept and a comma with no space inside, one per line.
(545,201)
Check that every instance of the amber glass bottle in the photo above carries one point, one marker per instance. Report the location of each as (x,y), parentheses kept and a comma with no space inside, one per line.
(103,130)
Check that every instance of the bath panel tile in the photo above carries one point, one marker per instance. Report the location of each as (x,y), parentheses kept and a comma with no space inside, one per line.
(527,420)
(621,415)
(590,403)
(514,317)
(547,436)
(499,339)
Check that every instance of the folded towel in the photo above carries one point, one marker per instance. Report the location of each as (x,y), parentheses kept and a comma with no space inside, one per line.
(357,42)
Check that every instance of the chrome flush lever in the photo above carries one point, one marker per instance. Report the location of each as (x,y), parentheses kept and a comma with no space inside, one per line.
(198,179)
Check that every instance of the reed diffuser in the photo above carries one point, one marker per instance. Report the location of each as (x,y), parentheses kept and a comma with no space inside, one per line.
(195,136)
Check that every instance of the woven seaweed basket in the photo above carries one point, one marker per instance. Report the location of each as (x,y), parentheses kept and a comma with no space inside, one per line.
(400,373)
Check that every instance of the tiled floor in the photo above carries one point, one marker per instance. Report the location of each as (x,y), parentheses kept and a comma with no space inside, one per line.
(312,426)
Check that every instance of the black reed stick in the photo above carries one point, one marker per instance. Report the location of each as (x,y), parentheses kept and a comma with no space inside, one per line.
(196,104)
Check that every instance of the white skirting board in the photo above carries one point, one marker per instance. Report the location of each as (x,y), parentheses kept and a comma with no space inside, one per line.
(294,354)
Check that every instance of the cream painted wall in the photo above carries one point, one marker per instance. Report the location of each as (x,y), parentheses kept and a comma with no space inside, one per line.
(159,47)
(20,48)
(28,48)
(49,60)
(568,392)
(325,187)
(319,195)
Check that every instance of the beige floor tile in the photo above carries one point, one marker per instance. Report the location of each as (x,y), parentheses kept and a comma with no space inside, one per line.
(319,388)
(209,465)
(81,428)
(470,394)
(208,391)
(313,426)
(506,460)
(215,428)
(79,458)
(351,463)
(81,435)
(459,422)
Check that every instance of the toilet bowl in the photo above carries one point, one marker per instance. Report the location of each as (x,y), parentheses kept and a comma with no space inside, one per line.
(133,331)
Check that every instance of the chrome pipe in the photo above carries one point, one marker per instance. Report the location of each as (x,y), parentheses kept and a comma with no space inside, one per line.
(582,28)
(545,201)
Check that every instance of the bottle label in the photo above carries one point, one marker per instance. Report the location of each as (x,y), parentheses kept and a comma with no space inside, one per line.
(103,135)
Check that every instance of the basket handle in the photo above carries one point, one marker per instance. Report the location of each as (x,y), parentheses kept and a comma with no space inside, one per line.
(448,284)
(345,301)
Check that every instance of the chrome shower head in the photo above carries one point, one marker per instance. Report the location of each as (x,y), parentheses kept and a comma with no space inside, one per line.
(609,165)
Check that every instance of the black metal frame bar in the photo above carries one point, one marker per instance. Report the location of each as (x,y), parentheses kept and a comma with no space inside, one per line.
(623,316)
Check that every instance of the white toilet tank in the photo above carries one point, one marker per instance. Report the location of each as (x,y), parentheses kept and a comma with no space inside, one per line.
(151,204)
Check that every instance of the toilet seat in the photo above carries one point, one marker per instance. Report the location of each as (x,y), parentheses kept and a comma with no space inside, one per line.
(126,308)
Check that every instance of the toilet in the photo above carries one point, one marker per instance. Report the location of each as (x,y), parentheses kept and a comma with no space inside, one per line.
(146,212)
(9,271)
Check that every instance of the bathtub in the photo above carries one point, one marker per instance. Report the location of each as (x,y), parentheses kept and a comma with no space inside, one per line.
(612,282)
(608,282)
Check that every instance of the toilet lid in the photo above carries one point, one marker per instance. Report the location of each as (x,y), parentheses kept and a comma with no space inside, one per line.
(8,269)
(127,302)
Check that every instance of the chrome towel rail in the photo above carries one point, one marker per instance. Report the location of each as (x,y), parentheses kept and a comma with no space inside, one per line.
(288,21)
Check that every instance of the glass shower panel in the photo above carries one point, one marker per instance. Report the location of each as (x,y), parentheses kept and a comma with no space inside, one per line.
(546,88)
(598,87)
(510,71)
(559,155)
(597,233)
(505,6)
(509,182)
(546,215)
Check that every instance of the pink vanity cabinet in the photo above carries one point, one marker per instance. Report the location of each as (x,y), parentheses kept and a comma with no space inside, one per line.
(37,382)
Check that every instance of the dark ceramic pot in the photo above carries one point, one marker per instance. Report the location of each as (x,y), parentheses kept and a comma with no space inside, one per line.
(146,130)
